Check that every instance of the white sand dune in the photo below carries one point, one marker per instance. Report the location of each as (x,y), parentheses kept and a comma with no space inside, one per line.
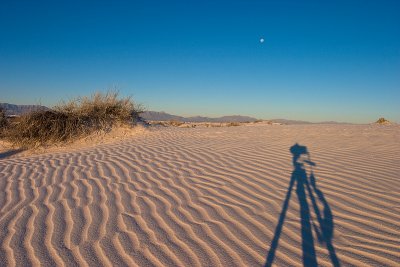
(206,197)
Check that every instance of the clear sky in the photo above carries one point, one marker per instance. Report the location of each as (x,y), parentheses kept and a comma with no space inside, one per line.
(321,60)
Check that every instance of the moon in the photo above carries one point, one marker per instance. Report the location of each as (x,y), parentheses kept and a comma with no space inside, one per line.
(262,40)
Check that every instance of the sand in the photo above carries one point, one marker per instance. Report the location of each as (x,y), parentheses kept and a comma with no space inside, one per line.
(229,196)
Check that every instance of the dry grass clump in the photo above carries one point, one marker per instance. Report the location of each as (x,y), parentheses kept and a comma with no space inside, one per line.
(3,121)
(175,123)
(382,121)
(3,118)
(72,120)
(169,123)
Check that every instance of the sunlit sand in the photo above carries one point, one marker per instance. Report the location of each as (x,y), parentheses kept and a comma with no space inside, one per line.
(251,195)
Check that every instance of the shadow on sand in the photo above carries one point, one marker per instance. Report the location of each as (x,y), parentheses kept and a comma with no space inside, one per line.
(324,226)
(10,153)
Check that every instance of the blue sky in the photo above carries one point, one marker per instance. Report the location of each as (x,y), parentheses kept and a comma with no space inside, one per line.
(321,60)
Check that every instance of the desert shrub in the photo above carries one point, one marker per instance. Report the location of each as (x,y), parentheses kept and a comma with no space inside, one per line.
(71,120)
(175,123)
(3,121)
(233,124)
(382,121)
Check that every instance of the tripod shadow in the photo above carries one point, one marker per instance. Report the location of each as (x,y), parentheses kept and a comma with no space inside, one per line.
(324,229)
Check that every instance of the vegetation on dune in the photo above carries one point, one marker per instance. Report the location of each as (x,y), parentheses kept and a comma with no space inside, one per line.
(72,120)
(175,123)
(233,124)
(382,121)
(3,121)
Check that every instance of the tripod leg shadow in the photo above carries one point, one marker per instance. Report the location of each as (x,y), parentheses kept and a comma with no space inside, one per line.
(325,231)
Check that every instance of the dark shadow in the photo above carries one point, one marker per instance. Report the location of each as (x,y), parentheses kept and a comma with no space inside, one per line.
(10,153)
(324,229)
(325,232)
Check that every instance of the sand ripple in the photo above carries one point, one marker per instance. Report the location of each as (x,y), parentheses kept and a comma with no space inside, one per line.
(203,197)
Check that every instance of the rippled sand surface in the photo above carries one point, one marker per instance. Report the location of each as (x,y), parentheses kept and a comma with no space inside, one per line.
(230,196)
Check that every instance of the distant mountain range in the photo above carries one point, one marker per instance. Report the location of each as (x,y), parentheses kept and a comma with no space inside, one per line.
(162,116)
(12,109)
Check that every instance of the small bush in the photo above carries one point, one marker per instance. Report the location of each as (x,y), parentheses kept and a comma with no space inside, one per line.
(3,118)
(233,124)
(175,123)
(3,121)
(382,121)
(71,120)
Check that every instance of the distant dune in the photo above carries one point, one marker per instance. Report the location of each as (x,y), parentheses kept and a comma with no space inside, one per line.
(293,122)
(235,196)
